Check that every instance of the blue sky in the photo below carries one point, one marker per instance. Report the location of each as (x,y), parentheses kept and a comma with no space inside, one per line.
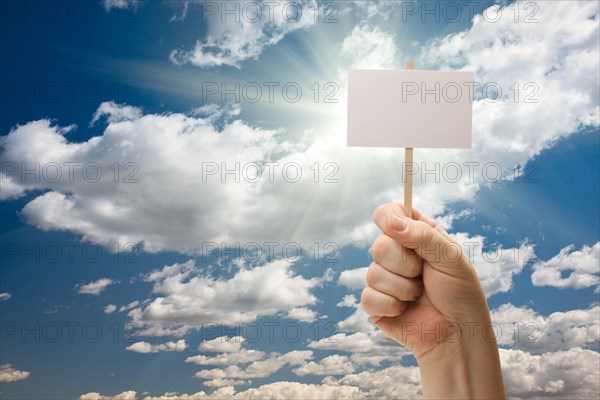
(107,284)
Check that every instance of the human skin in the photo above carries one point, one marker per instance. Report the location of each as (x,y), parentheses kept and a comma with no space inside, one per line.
(423,292)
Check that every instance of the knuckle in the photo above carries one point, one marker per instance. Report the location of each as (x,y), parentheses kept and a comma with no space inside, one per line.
(378,211)
(413,270)
(372,273)
(391,305)
(379,248)
(365,299)
(426,233)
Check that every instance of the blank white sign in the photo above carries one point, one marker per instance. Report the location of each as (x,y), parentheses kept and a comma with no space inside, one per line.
(410,108)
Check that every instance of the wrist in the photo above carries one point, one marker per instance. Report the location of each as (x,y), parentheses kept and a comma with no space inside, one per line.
(464,365)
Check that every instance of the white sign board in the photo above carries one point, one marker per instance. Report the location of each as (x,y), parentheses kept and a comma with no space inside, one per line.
(410,108)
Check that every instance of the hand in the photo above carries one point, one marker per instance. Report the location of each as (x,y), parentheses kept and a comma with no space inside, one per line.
(423,292)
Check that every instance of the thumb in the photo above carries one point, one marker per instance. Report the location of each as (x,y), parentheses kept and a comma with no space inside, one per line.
(442,253)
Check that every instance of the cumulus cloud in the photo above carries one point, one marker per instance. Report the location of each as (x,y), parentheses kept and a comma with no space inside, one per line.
(257,369)
(349,300)
(109,309)
(388,383)
(358,337)
(496,267)
(230,42)
(5,296)
(145,347)
(187,297)
(231,352)
(129,306)
(522,327)
(369,48)
(164,151)
(353,278)
(96,287)
(303,314)
(222,344)
(127,395)
(169,151)
(331,365)
(275,390)
(570,268)
(10,374)
(116,112)
(242,356)
(565,42)
(570,374)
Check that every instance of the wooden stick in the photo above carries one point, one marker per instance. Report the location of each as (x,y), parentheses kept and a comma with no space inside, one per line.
(408,181)
(408,162)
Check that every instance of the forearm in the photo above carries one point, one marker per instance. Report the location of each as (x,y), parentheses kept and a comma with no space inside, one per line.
(468,368)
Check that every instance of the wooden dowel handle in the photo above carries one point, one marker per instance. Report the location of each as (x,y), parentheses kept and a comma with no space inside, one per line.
(408,168)
(408,180)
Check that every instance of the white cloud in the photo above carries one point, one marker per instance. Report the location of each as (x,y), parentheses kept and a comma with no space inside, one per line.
(9,374)
(120,4)
(389,383)
(214,112)
(96,287)
(565,43)
(145,347)
(369,48)
(497,267)
(222,344)
(188,298)
(353,278)
(570,374)
(231,352)
(331,365)
(303,314)
(109,309)
(129,306)
(349,300)
(522,327)
(218,383)
(359,321)
(10,188)
(230,42)
(153,149)
(257,369)
(5,296)
(116,112)
(174,145)
(357,336)
(276,390)
(242,356)
(582,267)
